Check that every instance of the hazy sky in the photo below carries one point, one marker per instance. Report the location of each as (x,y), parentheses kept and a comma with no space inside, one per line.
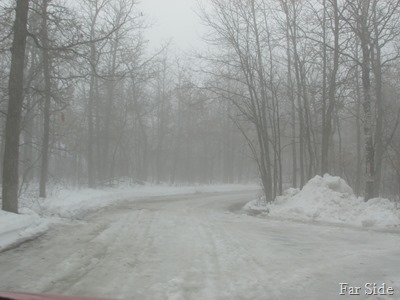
(173,19)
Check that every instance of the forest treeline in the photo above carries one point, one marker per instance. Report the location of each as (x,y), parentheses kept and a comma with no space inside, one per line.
(289,88)
(318,80)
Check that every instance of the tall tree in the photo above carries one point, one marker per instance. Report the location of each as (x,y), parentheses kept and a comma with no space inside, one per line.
(327,125)
(47,100)
(15,90)
(364,36)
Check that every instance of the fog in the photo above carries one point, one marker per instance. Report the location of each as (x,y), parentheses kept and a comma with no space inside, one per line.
(173,21)
(255,140)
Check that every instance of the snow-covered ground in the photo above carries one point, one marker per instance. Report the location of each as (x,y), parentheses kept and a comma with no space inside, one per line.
(36,215)
(175,243)
(198,247)
(330,199)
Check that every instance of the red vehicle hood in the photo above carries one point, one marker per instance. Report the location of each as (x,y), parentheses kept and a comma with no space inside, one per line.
(28,296)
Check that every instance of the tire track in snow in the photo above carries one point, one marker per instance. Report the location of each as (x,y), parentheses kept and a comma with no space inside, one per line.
(130,231)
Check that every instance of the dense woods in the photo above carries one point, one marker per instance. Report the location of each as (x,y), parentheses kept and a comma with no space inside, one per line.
(287,88)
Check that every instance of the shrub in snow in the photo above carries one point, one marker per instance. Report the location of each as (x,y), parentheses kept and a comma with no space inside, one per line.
(258,205)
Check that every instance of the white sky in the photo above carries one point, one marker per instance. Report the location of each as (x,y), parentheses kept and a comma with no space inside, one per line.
(172,19)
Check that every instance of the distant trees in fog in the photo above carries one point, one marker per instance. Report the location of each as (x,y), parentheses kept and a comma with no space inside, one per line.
(98,105)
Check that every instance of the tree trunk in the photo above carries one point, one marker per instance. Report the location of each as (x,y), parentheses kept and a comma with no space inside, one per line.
(309,135)
(299,102)
(90,108)
(398,181)
(327,126)
(324,156)
(377,69)
(13,122)
(369,145)
(266,172)
(107,159)
(90,165)
(358,124)
(290,89)
(29,124)
(47,100)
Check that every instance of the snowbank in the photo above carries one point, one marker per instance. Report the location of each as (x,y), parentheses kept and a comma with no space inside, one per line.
(330,199)
(36,215)
(76,204)
(15,229)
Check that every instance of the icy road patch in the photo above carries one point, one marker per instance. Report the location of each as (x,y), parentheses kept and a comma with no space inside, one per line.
(36,215)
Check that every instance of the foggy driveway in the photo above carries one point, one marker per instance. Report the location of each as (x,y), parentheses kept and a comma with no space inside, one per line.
(200,247)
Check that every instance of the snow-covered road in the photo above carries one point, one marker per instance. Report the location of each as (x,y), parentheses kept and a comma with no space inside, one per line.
(200,247)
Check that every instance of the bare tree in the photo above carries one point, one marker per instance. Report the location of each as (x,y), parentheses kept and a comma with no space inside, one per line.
(15,88)
(328,114)
(47,99)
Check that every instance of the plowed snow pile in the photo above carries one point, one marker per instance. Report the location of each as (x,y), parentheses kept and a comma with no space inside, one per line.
(330,199)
